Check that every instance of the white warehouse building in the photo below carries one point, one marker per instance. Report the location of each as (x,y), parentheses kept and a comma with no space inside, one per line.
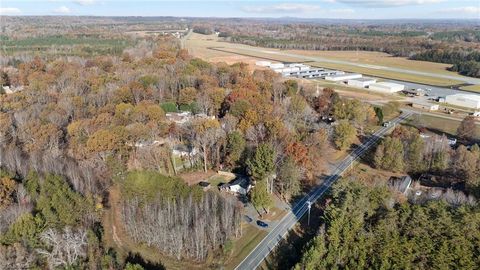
(263,63)
(464,100)
(361,82)
(343,77)
(386,87)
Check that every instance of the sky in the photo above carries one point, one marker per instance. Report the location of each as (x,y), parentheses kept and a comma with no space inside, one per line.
(338,9)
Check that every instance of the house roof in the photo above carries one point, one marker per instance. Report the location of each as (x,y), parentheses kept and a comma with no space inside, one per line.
(204,184)
(241,181)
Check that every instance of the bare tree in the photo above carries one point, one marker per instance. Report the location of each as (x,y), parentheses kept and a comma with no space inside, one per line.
(64,248)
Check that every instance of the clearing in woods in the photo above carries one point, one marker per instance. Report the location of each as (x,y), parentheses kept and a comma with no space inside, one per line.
(212,48)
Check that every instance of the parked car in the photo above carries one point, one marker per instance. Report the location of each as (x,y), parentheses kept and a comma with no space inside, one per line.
(248,219)
(262,224)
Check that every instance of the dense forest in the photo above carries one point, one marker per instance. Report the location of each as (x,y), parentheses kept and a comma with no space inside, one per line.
(82,128)
(366,228)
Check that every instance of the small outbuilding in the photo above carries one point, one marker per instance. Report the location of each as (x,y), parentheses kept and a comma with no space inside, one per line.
(426,106)
(204,185)
(386,87)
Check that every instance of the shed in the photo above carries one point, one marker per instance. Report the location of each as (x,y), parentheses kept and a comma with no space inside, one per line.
(426,106)
(204,185)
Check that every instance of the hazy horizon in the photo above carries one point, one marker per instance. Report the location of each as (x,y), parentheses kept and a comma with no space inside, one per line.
(322,9)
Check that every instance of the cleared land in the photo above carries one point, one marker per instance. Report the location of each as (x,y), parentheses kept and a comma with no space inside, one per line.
(475,88)
(438,124)
(211,48)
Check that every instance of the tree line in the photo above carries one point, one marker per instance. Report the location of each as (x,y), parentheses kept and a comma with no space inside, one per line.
(406,151)
(363,229)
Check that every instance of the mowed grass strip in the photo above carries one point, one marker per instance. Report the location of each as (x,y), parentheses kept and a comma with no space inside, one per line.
(439,124)
(379,59)
(198,41)
(473,88)
(244,245)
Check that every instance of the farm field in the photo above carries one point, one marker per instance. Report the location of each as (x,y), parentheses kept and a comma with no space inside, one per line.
(211,48)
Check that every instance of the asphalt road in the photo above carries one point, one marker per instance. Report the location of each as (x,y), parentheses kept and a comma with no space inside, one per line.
(401,70)
(261,251)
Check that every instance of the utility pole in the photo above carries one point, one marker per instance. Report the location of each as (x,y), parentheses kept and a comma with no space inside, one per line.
(309,205)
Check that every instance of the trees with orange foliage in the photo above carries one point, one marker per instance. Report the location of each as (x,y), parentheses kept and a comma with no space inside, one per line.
(323,104)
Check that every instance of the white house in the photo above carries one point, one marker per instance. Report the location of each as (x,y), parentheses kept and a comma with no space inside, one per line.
(240,185)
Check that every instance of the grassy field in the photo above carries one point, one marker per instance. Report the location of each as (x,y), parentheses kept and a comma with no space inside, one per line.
(378,59)
(475,88)
(243,246)
(389,74)
(199,45)
(441,125)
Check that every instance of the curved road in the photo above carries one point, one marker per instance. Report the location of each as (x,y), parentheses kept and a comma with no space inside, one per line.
(261,251)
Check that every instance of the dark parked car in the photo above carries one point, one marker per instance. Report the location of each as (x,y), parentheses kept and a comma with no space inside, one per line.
(262,224)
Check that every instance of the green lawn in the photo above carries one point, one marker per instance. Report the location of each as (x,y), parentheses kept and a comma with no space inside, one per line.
(474,88)
(447,126)
(245,244)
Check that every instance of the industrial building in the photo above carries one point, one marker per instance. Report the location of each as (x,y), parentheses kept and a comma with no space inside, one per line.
(276,65)
(263,63)
(464,100)
(343,77)
(361,82)
(386,87)
(304,71)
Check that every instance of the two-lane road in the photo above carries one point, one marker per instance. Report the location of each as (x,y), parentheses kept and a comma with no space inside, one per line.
(261,251)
